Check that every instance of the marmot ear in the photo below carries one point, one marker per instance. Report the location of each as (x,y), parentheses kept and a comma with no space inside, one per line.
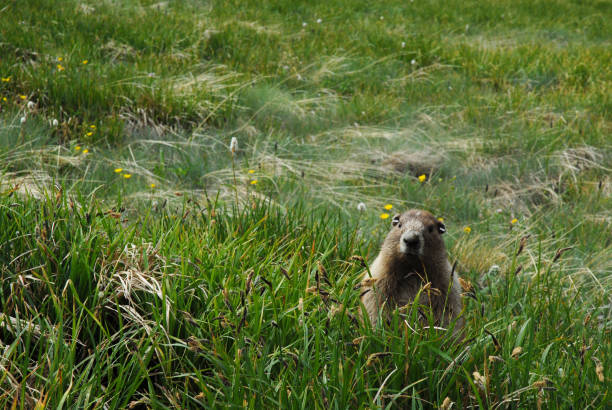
(395,220)
(441,227)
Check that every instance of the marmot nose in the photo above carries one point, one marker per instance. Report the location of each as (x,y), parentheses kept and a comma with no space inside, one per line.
(411,241)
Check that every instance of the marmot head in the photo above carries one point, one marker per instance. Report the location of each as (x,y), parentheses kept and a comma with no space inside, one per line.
(416,234)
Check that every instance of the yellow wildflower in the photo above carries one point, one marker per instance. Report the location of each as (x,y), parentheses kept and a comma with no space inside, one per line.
(93,127)
(422,178)
(23,97)
(89,134)
(388,207)
(251,171)
(384,216)
(441,219)
(77,148)
(85,151)
(85,61)
(60,67)
(152,186)
(4,99)
(514,221)
(60,59)
(127,176)
(118,170)
(254,182)
(6,79)
(467,229)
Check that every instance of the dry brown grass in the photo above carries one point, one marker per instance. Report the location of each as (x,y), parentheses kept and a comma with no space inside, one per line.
(476,253)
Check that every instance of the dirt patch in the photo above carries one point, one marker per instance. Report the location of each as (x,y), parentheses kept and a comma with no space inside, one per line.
(415,163)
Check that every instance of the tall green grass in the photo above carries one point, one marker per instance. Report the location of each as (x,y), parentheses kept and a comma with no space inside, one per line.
(260,307)
(143,264)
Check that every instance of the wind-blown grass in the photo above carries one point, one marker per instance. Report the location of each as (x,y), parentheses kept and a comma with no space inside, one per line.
(144,265)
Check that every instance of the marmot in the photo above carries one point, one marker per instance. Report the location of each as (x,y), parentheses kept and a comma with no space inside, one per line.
(412,255)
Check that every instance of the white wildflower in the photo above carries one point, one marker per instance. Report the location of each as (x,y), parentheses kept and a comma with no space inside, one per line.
(403,44)
(304,24)
(23,119)
(319,21)
(234,145)
(55,122)
(361,207)
(413,61)
(31,105)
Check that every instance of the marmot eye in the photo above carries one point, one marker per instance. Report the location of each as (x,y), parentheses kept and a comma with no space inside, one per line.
(430,229)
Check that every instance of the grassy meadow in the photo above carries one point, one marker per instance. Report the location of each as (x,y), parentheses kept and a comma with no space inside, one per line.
(145,265)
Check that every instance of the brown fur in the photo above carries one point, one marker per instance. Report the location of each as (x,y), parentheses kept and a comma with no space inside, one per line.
(397,275)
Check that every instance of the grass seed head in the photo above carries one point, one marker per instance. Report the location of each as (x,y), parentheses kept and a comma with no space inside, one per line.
(358,340)
(599,369)
(479,381)
(446,404)
(234,145)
